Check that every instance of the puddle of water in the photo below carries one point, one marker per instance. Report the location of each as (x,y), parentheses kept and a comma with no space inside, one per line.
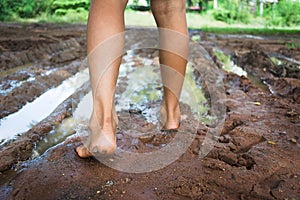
(242,36)
(258,82)
(143,88)
(238,36)
(14,83)
(41,107)
(229,66)
(277,59)
(65,129)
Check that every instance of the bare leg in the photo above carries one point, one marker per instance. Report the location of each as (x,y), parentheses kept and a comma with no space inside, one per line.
(104,47)
(170,16)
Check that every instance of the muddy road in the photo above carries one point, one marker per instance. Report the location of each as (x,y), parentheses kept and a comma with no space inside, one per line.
(254,156)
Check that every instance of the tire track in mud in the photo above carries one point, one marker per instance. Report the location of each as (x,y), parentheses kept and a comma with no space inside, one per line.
(51,60)
(20,149)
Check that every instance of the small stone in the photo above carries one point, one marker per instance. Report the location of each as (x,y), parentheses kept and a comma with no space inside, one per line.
(109,183)
(98,192)
(271,142)
(282,133)
(257,103)
(127,180)
(224,139)
(293,140)
(232,147)
(123,192)
(146,138)
(135,111)
(291,113)
(216,138)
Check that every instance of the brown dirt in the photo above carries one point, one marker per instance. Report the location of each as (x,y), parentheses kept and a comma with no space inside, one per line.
(257,156)
(32,51)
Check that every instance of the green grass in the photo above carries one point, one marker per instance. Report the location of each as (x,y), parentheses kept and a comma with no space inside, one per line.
(249,30)
(72,18)
(136,18)
(194,20)
(205,22)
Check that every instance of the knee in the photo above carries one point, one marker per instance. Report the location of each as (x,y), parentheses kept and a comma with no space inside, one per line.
(167,8)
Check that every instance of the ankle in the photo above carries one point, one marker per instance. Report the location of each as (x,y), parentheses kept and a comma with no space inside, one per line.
(171,109)
(103,121)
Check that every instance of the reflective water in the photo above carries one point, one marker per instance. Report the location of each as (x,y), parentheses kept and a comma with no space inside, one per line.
(41,107)
(138,87)
(65,129)
(229,66)
(277,58)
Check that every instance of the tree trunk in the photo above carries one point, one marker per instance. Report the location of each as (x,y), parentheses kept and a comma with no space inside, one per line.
(215,4)
(261,8)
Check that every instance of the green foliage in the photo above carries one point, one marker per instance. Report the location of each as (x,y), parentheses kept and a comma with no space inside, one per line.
(221,14)
(285,13)
(138,2)
(64,7)
(22,8)
(232,11)
(293,45)
(250,31)
(193,2)
(33,8)
(5,10)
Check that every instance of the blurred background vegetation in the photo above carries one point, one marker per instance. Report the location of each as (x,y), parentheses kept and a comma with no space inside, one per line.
(200,13)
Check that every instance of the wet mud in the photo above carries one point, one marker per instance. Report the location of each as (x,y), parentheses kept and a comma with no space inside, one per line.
(255,157)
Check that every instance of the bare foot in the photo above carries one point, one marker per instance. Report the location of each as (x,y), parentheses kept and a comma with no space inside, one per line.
(100,142)
(83,152)
(170,119)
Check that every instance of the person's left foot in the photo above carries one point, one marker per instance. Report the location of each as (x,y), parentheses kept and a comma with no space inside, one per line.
(83,152)
(170,119)
(101,141)
(101,144)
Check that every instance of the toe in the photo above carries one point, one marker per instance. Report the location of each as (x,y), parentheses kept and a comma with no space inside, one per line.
(83,152)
